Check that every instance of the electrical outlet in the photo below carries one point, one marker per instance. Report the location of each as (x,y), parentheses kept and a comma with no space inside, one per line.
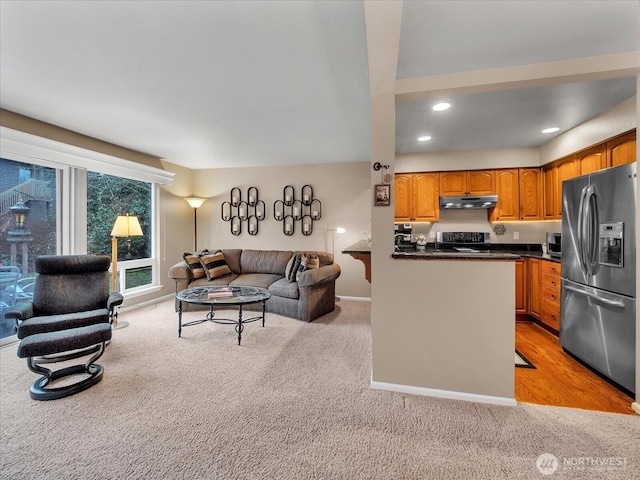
(516,235)
(432,234)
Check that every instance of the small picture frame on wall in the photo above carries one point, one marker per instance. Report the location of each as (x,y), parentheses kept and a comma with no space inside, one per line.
(382,195)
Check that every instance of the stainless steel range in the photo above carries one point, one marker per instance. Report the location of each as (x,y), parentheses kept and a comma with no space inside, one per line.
(466,242)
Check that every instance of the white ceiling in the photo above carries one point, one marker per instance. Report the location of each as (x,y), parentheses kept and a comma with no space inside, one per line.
(243,83)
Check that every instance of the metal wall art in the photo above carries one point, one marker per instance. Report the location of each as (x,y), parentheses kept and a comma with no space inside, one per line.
(290,210)
(236,211)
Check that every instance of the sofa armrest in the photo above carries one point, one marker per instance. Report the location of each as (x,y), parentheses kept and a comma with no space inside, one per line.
(328,273)
(180,271)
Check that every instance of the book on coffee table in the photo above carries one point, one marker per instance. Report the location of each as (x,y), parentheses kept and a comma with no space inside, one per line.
(224,292)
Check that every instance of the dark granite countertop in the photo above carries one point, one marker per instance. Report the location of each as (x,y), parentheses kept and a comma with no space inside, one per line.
(499,251)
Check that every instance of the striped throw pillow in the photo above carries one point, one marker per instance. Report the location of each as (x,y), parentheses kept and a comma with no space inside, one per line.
(214,265)
(193,262)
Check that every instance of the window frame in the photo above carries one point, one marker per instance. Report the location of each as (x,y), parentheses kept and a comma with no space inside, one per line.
(72,164)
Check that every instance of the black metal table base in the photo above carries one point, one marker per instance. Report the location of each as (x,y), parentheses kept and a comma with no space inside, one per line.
(211,317)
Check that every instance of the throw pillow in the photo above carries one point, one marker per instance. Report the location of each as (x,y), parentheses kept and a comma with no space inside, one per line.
(193,262)
(292,267)
(307,262)
(214,265)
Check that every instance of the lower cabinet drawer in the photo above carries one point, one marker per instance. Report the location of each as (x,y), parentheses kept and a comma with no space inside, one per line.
(550,281)
(550,314)
(551,294)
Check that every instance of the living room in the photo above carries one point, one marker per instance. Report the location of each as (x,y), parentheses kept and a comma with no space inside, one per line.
(343,187)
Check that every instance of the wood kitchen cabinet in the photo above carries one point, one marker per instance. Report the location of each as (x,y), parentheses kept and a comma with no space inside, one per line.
(592,159)
(549,190)
(519,194)
(521,286)
(467,182)
(508,206)
(534,266)
(552,177)
(566,169)
(622,149)
(417,197)
(550,283)
(530,193)
(404,197)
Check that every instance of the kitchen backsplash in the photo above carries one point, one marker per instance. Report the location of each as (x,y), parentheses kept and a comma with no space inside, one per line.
(476,221)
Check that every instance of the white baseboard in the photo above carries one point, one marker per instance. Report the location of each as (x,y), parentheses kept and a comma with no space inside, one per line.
(636,407)
(432,392)
(357,299)
(148,302)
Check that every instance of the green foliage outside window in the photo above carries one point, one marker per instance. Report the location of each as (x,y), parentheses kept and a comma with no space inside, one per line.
(108,197)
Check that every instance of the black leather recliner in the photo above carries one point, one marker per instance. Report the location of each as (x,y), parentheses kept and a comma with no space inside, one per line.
(69,317)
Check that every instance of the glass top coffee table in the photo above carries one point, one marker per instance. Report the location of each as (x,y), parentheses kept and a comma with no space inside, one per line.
(223,296)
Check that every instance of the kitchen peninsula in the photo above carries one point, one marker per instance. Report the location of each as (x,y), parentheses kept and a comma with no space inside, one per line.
(449,308)
(361,251)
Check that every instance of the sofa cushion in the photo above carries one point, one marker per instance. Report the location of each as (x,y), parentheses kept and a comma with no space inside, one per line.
(232,257)
(193,262)
(264,261)
(220,281)
(262,280)
(284,288)
(214,265)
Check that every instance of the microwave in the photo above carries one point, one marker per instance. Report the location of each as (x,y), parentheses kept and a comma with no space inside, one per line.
(554,244)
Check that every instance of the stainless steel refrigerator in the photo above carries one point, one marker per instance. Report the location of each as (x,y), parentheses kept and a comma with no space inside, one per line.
(598,304)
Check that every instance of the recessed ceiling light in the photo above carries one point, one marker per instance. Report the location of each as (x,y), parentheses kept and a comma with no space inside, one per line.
(425,138)
(550,130)
(441,106)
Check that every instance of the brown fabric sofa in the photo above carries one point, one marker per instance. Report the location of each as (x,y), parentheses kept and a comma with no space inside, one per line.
(308,298)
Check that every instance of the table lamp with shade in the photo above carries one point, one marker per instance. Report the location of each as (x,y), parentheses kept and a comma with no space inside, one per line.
(125,227)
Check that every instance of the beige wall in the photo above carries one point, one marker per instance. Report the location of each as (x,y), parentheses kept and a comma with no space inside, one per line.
(468,160)
(623,117)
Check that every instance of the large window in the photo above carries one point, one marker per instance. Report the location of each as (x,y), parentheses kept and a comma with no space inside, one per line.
(108,197)
(31,190)
(73,196)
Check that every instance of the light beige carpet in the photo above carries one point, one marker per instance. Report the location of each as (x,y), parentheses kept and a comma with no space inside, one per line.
(292,402)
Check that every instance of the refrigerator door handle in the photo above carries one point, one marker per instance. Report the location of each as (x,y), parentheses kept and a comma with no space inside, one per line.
(593,218)
(595,298)
(581,233)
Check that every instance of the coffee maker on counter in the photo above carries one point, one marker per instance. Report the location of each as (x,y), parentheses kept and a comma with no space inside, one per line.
(403,234)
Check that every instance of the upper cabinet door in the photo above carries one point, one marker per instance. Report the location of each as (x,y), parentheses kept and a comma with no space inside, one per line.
(507,207)
(404,198)
(622,150)
(426,205)
(453,183)
(471,182)
(592,160)
(549,193)
(481,182)
(530,194)
(566,170)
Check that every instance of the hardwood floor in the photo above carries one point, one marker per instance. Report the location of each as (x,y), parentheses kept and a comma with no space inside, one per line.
(560,380)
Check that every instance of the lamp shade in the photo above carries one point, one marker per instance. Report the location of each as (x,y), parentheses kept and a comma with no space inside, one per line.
(195,202)
(126,226)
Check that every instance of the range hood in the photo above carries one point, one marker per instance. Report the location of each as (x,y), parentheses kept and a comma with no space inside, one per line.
(461,203)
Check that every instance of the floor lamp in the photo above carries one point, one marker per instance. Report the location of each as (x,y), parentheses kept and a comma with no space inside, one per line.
(195,203)
(125,227)
(333,232)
